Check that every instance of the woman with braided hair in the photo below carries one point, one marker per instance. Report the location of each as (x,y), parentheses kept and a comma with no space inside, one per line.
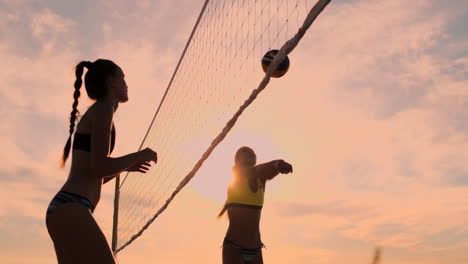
(76,236)
(242,243)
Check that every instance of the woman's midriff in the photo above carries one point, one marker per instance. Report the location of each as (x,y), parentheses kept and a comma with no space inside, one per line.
(79,180)
(244,226)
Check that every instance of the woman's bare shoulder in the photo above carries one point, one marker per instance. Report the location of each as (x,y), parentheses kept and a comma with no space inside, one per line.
(84,124)
(86,119)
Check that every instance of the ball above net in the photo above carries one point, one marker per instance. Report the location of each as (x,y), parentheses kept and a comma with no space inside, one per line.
(282,67)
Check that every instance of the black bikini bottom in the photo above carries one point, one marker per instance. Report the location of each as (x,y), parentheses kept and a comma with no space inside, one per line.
(63,197)
(247,254)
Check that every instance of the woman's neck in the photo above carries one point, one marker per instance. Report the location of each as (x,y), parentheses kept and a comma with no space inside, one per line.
(112,101)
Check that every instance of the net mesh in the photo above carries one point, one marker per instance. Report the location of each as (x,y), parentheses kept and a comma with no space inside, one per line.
(217,73)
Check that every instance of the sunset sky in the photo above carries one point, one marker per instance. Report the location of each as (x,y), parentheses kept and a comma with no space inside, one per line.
(373,115)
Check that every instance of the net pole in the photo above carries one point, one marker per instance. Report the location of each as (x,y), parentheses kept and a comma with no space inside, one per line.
(116,213)
(173,76)
(287,48)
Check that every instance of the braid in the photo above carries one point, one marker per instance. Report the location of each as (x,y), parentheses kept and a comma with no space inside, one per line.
(73,115)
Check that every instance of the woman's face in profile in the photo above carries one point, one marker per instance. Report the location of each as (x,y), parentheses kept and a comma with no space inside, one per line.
(119,86)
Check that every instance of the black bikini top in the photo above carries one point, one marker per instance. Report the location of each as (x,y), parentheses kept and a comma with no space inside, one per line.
(83,141)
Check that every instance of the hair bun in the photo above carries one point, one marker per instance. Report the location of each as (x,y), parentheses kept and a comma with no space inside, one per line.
(88,64)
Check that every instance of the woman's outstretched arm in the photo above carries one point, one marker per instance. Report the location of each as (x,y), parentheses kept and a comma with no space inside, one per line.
(269,170)
(142,167)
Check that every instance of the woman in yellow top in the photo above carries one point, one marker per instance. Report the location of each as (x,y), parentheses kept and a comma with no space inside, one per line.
(242,243)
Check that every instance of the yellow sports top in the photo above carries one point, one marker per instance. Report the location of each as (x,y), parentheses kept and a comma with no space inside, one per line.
(240,194)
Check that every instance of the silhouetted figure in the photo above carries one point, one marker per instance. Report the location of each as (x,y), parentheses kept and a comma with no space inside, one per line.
(76,235)
(242,243)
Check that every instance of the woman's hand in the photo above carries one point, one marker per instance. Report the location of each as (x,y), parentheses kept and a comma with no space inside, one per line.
(148,155)
(142,167)
(284,167)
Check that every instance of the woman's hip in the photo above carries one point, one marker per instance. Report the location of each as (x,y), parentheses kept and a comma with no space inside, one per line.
(62,198)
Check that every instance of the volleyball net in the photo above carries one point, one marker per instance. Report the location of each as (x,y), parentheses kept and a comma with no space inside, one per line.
(216,78)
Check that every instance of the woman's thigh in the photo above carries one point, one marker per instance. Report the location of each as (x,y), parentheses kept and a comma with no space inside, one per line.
(258,259)
(60,255)
(77,237)
(231,255)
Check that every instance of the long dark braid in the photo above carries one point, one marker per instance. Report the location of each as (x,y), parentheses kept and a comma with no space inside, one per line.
(73,116)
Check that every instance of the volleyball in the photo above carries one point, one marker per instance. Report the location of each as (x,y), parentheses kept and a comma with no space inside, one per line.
(282,67)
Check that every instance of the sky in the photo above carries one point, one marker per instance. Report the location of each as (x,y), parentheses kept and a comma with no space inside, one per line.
(372,114)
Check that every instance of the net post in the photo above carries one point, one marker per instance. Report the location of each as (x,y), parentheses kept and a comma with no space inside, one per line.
(116,213)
